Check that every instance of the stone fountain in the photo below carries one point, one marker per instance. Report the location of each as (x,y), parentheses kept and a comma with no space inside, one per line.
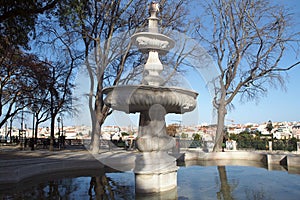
(155,170)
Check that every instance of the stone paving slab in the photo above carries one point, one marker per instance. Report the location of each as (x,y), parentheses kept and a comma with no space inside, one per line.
(16,164)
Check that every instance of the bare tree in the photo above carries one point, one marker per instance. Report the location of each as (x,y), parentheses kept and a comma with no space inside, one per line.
(22,76)
(61,56)
(60,90)
(105,29)
(248,39)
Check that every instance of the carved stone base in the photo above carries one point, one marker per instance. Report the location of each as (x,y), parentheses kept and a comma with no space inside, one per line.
(154,183)
(155,172)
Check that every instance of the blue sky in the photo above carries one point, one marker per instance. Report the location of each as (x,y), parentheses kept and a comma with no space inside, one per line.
(277,105)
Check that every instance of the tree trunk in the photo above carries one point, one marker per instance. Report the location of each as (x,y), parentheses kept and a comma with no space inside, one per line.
(36,131)
(95,143)
(94,126)
(220,126)
(98,117)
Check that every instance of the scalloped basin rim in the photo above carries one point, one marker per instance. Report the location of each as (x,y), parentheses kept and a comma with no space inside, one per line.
(151,87)
(139,98)
(151,34)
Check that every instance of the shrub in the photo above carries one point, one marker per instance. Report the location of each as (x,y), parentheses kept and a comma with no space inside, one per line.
(184,135)
(292,144)
(196,137)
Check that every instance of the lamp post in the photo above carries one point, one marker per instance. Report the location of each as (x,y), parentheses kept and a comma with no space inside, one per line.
(10,128)
(32,137)
(58,121)
(21,132)
(62,132)
(34,132)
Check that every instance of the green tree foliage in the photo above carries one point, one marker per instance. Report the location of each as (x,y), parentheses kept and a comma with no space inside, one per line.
(269,126)
(285,145)
(196,141)
(184,135)
(250,140)
(197,137)
(254,140)
(18,18)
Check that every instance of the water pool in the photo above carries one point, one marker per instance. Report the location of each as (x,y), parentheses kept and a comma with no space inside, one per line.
(194,182)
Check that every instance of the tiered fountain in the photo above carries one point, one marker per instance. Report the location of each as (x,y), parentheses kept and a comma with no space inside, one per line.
(155,170)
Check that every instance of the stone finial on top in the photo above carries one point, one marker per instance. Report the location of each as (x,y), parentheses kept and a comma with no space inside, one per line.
(154,8)
(153,20)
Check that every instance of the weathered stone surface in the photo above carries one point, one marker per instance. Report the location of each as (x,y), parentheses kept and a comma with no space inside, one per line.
(293,160)
(147,41)
(155,172)
(138,98)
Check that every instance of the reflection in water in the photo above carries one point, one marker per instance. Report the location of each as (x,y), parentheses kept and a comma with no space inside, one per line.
(58,189)
(53,189)
(256,195)
(194,182)
(101,188)
(225,189)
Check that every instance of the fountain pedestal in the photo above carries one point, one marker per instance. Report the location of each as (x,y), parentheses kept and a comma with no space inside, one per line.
(155,172)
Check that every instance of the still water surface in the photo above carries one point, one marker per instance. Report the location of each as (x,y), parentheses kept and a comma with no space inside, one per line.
(194,182)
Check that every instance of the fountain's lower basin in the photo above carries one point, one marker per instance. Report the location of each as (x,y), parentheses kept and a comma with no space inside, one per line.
(139,98)
(256,180)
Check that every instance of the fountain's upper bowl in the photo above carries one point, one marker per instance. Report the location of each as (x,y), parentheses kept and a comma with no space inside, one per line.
(147,41)
(139,98)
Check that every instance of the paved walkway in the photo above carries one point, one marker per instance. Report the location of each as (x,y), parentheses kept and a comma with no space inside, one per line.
(20,170)
(17,165)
